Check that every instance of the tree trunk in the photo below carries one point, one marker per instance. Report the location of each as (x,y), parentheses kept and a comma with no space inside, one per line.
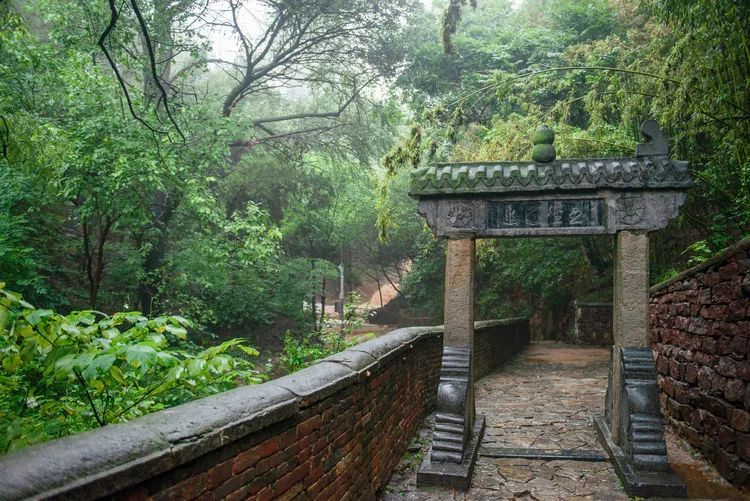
(380,292)
(323,304)
(94,256)
(148,288)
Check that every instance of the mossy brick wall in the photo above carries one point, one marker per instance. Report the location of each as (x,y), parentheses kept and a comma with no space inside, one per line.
(332,431)
(592,324)
(700,326)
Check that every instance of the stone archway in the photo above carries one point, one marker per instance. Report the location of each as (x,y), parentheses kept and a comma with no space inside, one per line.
(627,197)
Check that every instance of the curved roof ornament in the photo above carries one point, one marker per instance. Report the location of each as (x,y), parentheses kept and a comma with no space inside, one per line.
(658,141)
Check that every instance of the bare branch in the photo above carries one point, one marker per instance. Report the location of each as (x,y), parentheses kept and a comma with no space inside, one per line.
(152,61)
(114,16)
(200,62)
(256,141)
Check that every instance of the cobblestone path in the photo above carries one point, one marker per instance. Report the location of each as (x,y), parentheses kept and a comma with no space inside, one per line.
(544,399)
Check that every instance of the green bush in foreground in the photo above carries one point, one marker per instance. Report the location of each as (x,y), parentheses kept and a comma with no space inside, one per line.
(62,374)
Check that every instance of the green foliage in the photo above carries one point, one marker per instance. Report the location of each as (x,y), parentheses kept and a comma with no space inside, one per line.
(593,71)
(301,352)
(61,374)
(222,273)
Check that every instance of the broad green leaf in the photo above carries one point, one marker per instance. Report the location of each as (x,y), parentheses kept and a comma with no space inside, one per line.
(167,359)
(71,329)
(100,364)
(35,316)
(249,350)
(181,320)
(117,374)
(157,339)
(110,333)
(12,362)
(196,366)
(179,332)
(221,363)
(139,354)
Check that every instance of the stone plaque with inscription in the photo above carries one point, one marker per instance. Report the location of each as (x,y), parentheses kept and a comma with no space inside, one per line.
(586,213)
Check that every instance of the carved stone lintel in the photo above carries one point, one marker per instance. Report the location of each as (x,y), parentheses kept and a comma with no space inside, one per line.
(640,453)
(595,213)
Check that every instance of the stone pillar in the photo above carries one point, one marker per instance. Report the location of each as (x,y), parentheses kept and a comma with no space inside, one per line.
(629,308)
(632,432)
(630,305)
(459,292)
(458,432)
(458,311)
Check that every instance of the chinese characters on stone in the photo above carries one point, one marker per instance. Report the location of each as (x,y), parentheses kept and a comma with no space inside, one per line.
(545,214)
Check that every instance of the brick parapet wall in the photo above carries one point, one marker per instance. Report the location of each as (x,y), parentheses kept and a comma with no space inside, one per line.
(700,326)
(332,431)
(495,341)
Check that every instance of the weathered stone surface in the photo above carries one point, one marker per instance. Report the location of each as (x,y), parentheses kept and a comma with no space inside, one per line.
(630,306)
(585,213)
(592,324)
(638,450)
(317,382)
(454,419)
(70,463)
(354,360)
(381,347)
(459,292)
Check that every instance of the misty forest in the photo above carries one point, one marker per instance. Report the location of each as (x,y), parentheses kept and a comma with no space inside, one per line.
(201,194)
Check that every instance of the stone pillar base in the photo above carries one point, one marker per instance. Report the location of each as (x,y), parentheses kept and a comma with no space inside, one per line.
(645,484)
(453,475)
(632,429)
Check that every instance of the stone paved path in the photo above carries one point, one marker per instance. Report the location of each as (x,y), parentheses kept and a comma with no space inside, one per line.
(544,399)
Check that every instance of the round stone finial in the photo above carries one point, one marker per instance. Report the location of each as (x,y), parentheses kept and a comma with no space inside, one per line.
(544,149)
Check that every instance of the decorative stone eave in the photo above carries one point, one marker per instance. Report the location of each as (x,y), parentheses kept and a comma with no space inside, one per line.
(559,197)
(491,178)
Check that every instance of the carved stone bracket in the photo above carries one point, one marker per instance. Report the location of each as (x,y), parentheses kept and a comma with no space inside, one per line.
(640,453)
(455,404)
(458,434)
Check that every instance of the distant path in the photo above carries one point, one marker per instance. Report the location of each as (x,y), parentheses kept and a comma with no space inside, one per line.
(544,399)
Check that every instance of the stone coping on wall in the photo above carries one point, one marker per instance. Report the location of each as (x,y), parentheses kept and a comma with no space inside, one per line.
(741,246)
(106,460)
(592,305)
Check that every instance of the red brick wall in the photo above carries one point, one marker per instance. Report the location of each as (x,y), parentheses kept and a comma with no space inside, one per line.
(334,430)
(343,446)
(495,341)
(700,326)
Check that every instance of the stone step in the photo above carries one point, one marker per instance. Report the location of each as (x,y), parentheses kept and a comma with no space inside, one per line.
(439,445)
(650,462)
(443,436)
(652,436)
(449,418)
(650,447)
(450,428)
(446,457)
